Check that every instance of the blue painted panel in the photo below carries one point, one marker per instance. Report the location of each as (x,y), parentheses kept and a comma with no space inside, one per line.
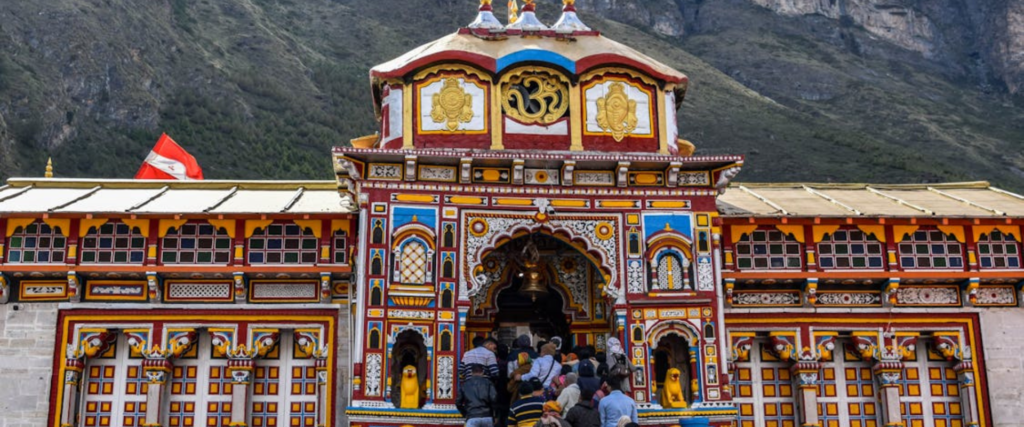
(403,215)
(535,55)
(681,223)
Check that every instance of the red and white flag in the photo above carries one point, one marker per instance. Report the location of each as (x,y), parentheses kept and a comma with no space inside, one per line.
(169,161)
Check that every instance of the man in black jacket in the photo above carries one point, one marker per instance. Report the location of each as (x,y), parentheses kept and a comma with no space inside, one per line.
(584,414)
(476,398)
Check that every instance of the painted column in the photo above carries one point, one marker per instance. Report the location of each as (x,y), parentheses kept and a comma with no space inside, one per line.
(806,376)
(241,378)
(156,371)
(72,379)
(889,374)
(968,393)
(321,391)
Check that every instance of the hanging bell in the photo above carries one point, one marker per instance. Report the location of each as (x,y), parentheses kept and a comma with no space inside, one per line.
(533,283)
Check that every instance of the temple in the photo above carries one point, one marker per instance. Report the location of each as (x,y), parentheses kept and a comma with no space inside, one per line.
(525,179)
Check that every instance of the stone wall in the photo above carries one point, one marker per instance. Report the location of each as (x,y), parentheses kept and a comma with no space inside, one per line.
(1004,363)
(27,334)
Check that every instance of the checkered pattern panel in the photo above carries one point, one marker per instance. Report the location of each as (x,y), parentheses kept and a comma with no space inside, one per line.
(414,263)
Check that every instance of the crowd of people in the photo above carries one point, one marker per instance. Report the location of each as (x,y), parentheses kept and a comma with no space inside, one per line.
(543,386)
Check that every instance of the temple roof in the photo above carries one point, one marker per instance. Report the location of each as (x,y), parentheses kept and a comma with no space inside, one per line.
(114,196)
(963,199)
(495,54)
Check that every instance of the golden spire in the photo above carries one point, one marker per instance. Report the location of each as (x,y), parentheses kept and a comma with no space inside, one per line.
(49,168)
(513,11)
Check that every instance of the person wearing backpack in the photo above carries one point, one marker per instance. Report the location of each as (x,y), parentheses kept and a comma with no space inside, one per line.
(619,365)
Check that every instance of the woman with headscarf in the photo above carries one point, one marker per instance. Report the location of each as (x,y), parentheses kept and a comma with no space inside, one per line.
(552,416)
(524,364)
(616,356)
(519,346)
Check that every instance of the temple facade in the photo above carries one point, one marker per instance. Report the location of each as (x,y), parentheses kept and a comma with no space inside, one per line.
(526,179)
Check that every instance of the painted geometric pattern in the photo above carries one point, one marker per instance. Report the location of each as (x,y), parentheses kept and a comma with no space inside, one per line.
(414,263)
(283,244)
(930,393)
(284,389)
(37,242)
(764,392)
(200,390)
(115,390)
(847,393)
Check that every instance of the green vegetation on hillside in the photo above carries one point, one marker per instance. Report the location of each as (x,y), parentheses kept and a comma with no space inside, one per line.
(261,89)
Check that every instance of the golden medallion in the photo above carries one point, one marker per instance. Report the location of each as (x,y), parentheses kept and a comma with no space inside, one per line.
(535,98)
(616,113)
(452,105)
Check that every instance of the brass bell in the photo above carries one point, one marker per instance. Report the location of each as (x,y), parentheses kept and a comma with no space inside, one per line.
(533,282)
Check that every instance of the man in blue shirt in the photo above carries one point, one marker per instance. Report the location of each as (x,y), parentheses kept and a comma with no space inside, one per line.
(616,405)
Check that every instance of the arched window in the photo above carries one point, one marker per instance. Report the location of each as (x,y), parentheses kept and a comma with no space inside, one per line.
(196,243)
(926,249)
(998,250)
(671,272)
(768,250)
(446,341)
(449,236)
(849,248)
(413,263)
(634,244)
(378,232)
(376,265)
(376,296)
(447,299)
(113,243)
(448,270)
(37,243)
(374,338)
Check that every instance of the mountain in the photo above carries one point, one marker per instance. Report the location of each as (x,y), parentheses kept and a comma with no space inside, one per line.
(822,90)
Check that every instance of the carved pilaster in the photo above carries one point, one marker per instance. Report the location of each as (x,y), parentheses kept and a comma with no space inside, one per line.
(968,394)
(805,377)
(888,374)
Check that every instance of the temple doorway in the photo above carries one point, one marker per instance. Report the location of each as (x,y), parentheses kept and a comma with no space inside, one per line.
(541,286)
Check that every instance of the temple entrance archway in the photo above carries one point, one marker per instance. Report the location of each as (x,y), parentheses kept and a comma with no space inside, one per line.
(570,305)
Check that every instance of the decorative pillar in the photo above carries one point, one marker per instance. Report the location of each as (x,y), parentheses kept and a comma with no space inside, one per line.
(88,343)
(889,374)
(240,370)
(806,376)
(156,371)
(321,391)
(968,394)
(72,377)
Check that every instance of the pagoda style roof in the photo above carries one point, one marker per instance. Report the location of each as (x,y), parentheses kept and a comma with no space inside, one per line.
(961,199)
(155,197)
(495,53)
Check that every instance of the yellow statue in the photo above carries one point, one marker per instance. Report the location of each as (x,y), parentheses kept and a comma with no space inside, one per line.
(410,389)
(672,393)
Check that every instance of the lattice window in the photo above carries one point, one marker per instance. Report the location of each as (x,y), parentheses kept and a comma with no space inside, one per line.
(930,392)
(200,389)
(846,396)
(413,263)
(37,243)
(115,390)
(671,272)
(282,244)
(196,243)
(998,250)
(284,388)
(930,249)
(339,247)
(767,250)
(851,248)
(113,243)
(764,389)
